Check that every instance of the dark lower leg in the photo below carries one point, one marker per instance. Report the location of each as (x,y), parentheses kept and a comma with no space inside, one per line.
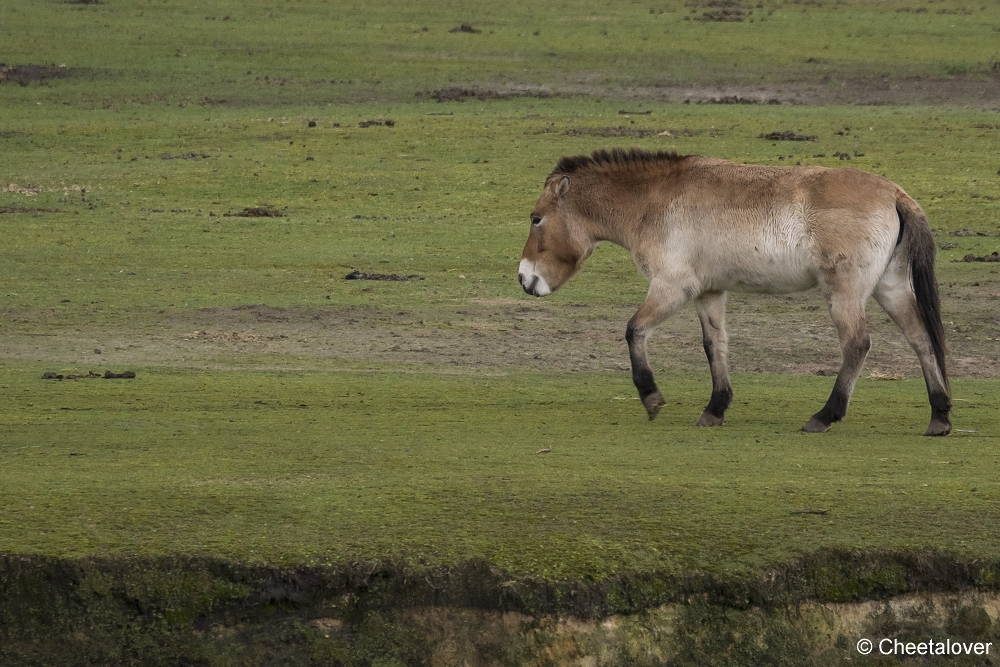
(902,308)
(722,392)
(940,407)
(661,300)
(834,410)
(711,309)
(836,406)
(642,373)
(719,402)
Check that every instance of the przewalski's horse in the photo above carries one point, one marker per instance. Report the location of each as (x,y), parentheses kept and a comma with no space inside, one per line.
(697,227)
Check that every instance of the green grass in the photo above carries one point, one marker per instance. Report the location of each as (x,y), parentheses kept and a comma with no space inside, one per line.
(434,195)
(329,52)
(427,469)
(436,464)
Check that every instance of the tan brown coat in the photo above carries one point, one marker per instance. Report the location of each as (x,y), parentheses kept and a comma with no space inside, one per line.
(698,227)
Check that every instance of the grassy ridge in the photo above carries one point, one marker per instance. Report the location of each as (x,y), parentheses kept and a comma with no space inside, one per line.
(425,469)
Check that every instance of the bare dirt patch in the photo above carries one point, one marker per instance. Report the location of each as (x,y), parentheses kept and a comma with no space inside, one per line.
(234,337)
(788,334)
(951,92)
(993,257)
(262,312)
(28,209)
(466,28)
(361,275)
(979,93)
(185,156)
(832,89)
(255,212)
(734,99)
(89,375)
(788,135)
(719,11)
(458,94)
(965,231)
(627,131)
(842,88)
(25,74)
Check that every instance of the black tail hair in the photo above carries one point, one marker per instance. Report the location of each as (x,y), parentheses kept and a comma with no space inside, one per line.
(920,249)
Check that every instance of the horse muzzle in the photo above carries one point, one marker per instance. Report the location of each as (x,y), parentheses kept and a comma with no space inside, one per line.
(531,282)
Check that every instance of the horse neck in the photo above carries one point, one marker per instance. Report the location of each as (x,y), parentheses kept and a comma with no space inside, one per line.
(610,218)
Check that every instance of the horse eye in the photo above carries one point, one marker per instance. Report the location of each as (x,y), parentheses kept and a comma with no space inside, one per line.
(535,220)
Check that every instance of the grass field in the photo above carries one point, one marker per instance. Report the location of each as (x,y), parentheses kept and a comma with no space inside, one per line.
(327,467)
(284,416)
(257,53)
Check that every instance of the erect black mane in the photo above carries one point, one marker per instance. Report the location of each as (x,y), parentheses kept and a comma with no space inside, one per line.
(615,157)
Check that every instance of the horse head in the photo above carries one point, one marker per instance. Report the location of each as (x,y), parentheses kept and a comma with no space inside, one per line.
(558,242)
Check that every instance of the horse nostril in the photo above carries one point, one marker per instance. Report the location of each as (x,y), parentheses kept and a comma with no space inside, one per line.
(520,279)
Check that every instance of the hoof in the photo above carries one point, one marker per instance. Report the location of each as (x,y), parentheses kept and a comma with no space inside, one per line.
(653,403)
(708,419)
(815,426)
(938,427)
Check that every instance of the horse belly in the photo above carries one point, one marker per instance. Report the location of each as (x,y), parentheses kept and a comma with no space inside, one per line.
(778,280)
(767,268)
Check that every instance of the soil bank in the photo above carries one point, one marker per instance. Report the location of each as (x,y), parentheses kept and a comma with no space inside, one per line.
(191,611)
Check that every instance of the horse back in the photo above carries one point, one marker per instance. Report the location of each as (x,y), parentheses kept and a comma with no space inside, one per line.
(778,229)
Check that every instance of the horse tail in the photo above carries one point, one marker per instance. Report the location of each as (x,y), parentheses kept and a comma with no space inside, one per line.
(918,245)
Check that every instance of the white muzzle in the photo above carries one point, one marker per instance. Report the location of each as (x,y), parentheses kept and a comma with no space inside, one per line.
(532,282)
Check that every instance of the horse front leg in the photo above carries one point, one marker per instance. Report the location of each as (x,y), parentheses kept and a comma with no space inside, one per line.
(711,307)
(661,301)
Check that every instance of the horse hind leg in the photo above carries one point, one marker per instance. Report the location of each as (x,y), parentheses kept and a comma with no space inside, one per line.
(711,308)
(848,313)
(895,294)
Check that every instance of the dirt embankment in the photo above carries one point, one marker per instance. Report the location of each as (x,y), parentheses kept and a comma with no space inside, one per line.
(190,611)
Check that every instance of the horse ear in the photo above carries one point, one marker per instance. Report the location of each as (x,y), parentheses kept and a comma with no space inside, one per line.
(563,186)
